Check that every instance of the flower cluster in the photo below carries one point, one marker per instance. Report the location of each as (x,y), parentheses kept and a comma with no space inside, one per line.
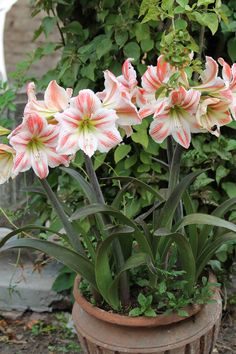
(55,128)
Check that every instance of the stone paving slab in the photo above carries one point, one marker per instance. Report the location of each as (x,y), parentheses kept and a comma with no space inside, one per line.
(22,287)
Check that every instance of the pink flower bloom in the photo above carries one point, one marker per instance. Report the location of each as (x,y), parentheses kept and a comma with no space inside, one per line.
(35,144)
(210,81)
(116,97)
(154,79)
(87,125)
(7,155)
(213,113)
(157,76)
(56,99)
(229,76)
(129,77)
(175,116)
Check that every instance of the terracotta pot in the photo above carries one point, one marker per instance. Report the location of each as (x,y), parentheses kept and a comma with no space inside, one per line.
(102,332)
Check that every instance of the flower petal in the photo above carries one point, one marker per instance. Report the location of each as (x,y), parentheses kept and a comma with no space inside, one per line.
(86,102)
(56,97)
(108,139)
(40,164)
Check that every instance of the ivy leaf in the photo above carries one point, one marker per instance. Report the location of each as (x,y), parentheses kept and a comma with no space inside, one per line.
(150,313)
(180,24)
(132,50)
(221,172)
(73,27)
(104,47)
(202,181)
(88,71)
(142,31)
(47,25)
(121,151)
(141,137)
(135,312)
(182,3)
(211,21)
(182,313)
(142,300)
(121,38)
(205,2)
(147,44)
(130,161)
(230,189)
(167,5)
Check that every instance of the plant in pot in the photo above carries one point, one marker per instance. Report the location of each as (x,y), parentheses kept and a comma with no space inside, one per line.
(143,284)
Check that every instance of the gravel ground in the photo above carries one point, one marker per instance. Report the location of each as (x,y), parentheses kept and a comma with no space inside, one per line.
(52,333)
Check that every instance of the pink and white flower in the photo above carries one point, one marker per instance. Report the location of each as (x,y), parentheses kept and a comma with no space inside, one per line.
(211,82)
(229,76)
(129,77)
(116,97)
(175,116)
(156,78)
(213,113)
(35,144)
(56,99)
(87,125)
(7,155)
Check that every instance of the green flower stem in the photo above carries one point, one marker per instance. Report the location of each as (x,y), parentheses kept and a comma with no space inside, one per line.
(72,235)
(93,179)
(118,255)
(170,150)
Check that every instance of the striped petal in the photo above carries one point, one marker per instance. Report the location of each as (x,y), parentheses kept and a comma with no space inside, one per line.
(108,139)
(210,81)
(68,142)
(129,77)
(56,97)
(7,155)
(112,91)
(40,164)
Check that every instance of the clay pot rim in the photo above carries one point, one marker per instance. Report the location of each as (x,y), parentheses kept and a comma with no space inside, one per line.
(139,321)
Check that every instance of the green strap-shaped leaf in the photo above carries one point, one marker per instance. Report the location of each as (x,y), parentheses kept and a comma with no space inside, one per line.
(139,183)
(165,218)
(102,208)
(185,251)
(71,233)
(174,168)
(211,248)
(192,229)
(167,213)
(71,259)
(85,186)
(133,261)
(29,228)
(220,211)
(119,197)
(103,272)
(204,219)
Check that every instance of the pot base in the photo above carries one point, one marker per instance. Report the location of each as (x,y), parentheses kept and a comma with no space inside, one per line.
(195,335)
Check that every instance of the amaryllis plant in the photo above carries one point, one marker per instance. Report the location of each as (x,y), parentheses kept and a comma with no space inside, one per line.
(120,257)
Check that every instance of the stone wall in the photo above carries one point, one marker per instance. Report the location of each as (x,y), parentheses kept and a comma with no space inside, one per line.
(19,29)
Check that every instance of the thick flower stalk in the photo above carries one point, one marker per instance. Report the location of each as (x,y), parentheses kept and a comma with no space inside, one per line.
(35,143)
(7,155)
(86,125)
